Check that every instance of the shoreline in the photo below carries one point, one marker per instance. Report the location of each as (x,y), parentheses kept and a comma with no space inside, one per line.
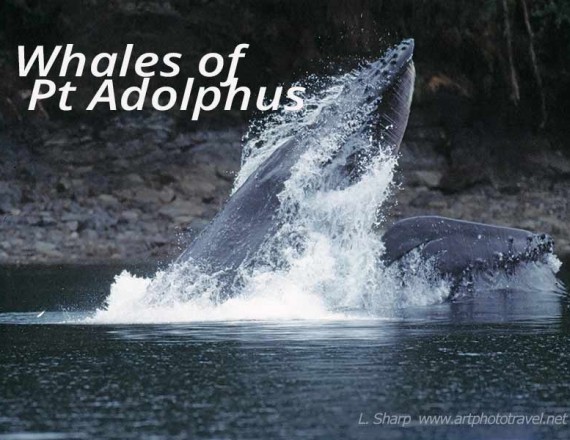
(68,197)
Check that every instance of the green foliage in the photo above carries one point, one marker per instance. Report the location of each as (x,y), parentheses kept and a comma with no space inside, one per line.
(553,11)
(551,19)
(29,21)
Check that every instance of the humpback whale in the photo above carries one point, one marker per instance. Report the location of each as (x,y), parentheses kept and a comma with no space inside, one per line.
(380,95)
(250,216)
(458,249)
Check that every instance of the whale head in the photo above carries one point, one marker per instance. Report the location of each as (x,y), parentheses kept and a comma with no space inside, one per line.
(397,74)
(330,144)
(380,94)
(458,247)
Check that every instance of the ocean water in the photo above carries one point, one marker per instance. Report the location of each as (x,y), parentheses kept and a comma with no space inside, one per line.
(63,376)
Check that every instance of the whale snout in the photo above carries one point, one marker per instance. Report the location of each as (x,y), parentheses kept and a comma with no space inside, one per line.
(395,61)
(523,246)
(395,72)
(538,245)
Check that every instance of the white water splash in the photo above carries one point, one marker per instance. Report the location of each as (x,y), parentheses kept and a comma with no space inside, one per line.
(532,276)
(327,251)
(132,300)
(324,262)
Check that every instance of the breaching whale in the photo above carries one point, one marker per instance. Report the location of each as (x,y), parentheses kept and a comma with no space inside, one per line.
(253,214)
(233,238)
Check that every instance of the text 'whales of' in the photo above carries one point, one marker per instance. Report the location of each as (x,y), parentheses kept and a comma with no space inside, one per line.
(146,66)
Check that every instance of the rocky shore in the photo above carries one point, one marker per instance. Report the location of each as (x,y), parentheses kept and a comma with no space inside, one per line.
(133,190)
(487,139)
(139,187)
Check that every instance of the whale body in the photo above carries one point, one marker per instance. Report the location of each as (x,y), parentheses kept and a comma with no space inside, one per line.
(458,248)
(234,239)
(250,216)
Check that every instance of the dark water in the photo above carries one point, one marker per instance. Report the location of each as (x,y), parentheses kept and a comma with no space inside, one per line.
(502,352)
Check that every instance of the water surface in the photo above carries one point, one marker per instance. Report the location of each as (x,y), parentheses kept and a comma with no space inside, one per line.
(501,352)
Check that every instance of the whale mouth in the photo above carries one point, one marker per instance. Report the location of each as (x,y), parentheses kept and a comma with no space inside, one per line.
(398,70)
